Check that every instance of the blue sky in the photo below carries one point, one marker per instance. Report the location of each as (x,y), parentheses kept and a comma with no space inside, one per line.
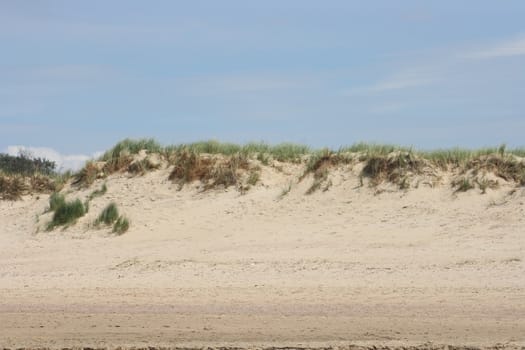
(76,77)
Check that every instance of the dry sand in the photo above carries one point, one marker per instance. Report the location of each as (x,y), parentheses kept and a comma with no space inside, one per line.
(345,266)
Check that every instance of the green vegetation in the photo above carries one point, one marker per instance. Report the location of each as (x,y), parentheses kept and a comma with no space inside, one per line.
(22,174)
(108,215)
(98,193)
(67,213)
(56,200)
(393,168)
(121,225)
(128,147)
(223,164)
(24,164)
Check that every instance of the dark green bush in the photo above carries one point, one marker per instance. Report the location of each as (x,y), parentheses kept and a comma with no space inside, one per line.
(25,165)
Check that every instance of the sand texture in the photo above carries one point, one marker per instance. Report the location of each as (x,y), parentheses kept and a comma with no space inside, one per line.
(349,265)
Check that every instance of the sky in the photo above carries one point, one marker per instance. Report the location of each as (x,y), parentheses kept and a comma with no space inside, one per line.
(78,76)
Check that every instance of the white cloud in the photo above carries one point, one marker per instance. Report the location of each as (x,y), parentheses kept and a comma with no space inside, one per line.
(507,48)
(63,162)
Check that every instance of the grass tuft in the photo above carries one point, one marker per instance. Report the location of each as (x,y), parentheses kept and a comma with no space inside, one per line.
(121,225)
(56,200)
(67,213)
(393,168)
(108,215)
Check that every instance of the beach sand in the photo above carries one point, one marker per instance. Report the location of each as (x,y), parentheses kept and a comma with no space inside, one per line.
(352,265)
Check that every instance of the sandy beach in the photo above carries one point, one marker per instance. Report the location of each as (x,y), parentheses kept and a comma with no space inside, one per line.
(353,265)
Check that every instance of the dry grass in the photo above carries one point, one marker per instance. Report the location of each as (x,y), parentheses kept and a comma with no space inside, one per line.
(12,187)
(506,167)
(319,164)
(395,168)
(87,175)
(211,171)
(217,164)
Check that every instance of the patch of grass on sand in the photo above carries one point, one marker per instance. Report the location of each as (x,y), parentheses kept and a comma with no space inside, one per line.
(121,225)
(108,215)
(56,200)
(12,187)
(67,213)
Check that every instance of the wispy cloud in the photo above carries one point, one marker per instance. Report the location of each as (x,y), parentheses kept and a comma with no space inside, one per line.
(63,161)
(230,84)
(403,80)
(506,48)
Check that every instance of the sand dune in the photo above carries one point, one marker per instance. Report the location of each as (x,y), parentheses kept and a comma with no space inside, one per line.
(350,265)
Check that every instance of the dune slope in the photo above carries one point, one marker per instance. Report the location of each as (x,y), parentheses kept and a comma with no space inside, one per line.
(269,267)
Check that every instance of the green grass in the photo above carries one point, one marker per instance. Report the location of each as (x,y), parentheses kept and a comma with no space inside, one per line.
(130,146)
(108,215)
(56,200)
(67,213)
(121,225)
(216,163)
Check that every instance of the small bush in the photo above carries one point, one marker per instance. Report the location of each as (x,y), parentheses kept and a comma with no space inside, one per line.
(24,164)
(67,213)
(108,215)
(121,225)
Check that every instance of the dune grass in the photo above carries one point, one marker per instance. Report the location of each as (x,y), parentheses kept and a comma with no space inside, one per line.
(66,213)
(216,163)
(121,225)
(212,171)
(12,187)
(108,215)
(56,200)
